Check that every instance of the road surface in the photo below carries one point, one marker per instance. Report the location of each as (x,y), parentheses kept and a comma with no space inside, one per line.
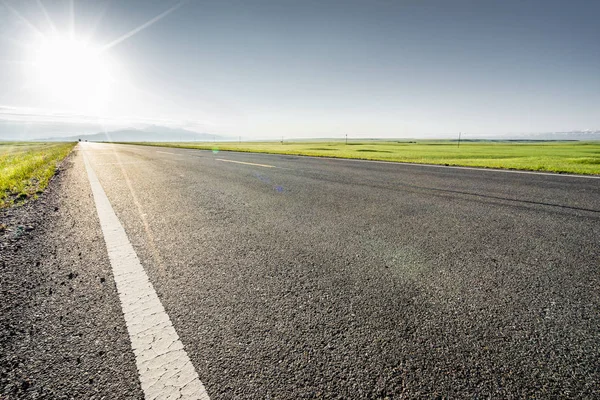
(291,277)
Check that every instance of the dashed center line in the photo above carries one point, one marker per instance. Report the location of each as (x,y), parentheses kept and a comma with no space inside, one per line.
(164,368)
(120,163)
(246,163)
(166,152)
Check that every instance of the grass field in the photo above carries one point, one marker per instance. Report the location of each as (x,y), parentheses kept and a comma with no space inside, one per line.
(563,157)
(26,168)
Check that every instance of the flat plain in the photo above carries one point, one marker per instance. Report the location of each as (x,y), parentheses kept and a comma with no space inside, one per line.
(562,157)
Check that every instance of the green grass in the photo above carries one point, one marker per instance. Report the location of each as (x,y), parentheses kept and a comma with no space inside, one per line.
(26,168)
(562,157)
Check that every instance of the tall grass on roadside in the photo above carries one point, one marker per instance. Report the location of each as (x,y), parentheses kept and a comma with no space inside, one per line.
(26,168)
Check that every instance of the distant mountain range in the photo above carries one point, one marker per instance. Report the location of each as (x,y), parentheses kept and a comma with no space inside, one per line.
(149,134)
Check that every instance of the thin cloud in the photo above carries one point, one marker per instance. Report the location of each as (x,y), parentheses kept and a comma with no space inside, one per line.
(39,116)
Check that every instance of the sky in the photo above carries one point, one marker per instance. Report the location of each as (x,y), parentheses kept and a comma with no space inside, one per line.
(299,69)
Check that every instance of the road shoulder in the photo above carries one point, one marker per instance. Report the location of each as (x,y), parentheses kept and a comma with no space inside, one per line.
(63,333)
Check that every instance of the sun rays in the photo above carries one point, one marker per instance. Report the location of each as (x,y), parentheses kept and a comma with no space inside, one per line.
(69,69)
(141,27)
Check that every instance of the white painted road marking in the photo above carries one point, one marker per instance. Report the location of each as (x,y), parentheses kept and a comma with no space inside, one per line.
(246,163)
(513,171)
(399,163)
(166,152)
(120,163)
(165,369)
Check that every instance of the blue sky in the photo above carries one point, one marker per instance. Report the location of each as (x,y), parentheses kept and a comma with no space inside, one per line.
(266,69)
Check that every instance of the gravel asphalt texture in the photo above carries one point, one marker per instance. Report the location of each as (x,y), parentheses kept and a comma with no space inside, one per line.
(319,278)
(62,334)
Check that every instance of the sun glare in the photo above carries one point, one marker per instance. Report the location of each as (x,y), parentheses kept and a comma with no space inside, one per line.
(63,72)
(71,73)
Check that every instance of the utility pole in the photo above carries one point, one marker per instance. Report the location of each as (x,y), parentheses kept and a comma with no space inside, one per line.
(458,139)
(282,140)
(346,138)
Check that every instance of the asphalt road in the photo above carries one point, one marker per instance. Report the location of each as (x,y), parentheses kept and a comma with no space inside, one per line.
(293,277)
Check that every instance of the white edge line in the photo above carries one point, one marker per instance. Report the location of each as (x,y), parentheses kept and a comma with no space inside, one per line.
(165,370)
(461,167)
(415,164)
(423,165)
(513,171)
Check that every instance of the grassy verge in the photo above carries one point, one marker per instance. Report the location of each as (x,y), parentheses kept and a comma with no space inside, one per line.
(26,168)
(562,157)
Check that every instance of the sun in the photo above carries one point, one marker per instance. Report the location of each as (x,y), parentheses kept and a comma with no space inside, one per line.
(71,73)
(64,71)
